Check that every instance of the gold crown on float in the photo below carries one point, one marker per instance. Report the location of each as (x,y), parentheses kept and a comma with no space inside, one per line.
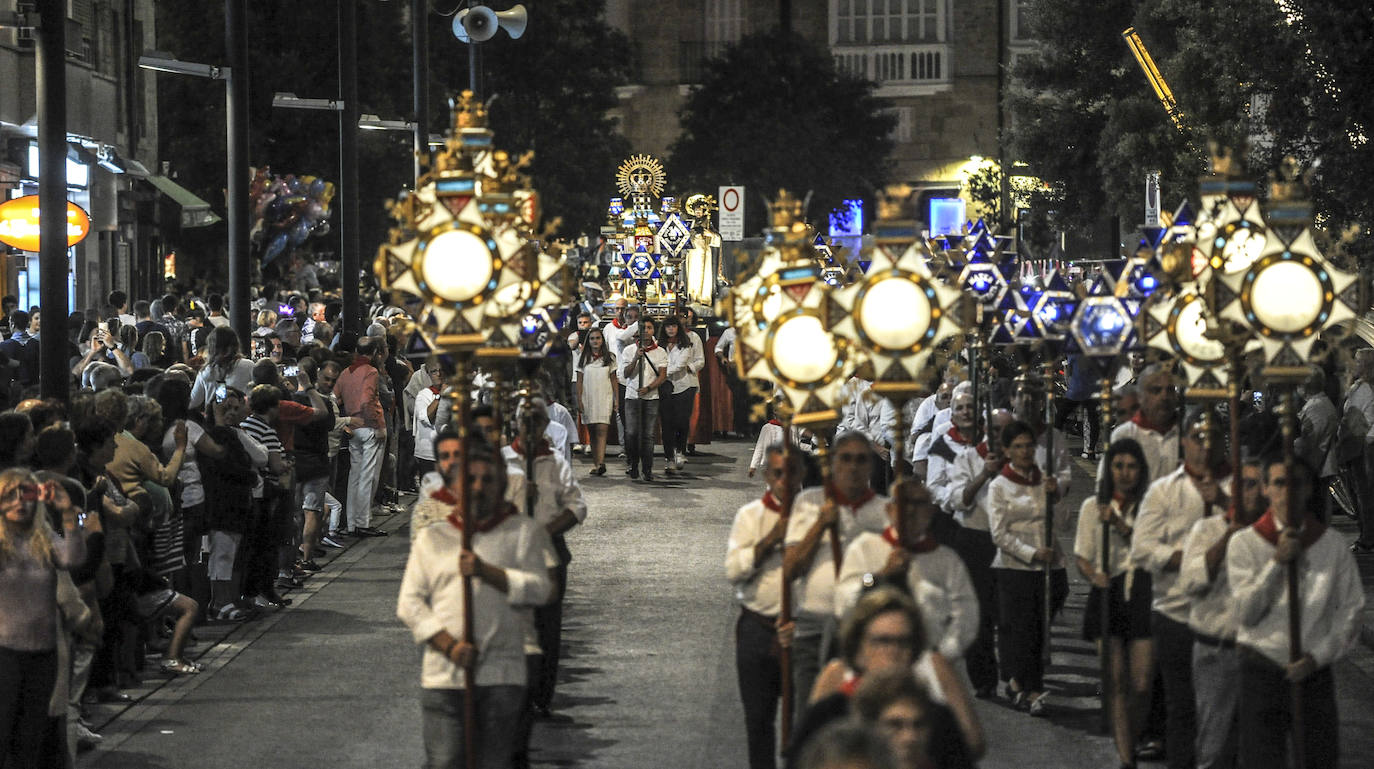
(468,112)
(1226,161)
(1287,183)
(785,211)
(641,175)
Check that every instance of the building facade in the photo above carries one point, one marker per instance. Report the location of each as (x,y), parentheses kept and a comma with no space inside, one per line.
(936,62)
(112,164)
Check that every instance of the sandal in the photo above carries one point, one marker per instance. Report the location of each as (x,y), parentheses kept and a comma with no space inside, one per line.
(231,613)
(180,667)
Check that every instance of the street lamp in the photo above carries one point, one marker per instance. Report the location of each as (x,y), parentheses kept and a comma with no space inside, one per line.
(236,101)
(288,100)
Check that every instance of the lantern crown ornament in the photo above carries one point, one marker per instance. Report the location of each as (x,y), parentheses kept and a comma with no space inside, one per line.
(462,248)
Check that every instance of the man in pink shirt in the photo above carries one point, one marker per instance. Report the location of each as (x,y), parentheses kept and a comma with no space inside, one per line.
(357,392)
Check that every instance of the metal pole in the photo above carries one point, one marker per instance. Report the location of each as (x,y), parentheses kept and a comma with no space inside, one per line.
(236,103)
(350,241)
(51,76)
(460,406)
(1109,686)
(472,69)
(419,33)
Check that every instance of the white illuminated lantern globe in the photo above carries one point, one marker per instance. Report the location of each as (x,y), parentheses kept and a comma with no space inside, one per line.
(801,350)
(894,314)
(1287,297)
(457,265)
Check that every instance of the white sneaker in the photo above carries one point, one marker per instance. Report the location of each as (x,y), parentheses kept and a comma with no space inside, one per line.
(679,460)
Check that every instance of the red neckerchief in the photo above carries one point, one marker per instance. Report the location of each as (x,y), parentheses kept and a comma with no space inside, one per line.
(925,544)
(957,436)
(864,498)
(358,361)
(1015,477)
(542,450)
(983,449)
(771,502)
(616,322)
(651,349)
(507,510)
(775,422)
(1268,527)
(444,495)
(1140,420)
(434,389)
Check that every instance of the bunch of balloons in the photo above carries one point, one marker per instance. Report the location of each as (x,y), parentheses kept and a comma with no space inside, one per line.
(287,210)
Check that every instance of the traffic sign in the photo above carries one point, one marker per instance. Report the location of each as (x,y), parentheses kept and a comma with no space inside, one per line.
(731,213)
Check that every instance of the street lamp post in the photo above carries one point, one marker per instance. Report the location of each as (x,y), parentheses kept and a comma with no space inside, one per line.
(52,196)
(236,104)
(350,240)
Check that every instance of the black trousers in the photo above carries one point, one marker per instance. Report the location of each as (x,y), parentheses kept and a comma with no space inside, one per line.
(1066,408)
(1266,715)
(1021,622)
(760,685)
(548,625)
(26,682)
(976,549)
(676,415)
(1174,655)
(258,554)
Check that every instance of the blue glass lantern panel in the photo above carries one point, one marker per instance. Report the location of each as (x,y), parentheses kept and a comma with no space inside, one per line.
(848,221)
(946,216)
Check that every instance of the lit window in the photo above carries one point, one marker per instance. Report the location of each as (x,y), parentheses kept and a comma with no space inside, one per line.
(888,21)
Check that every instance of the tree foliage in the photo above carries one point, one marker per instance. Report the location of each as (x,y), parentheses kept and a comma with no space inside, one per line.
(773,112)
(550,91)
(1089,124)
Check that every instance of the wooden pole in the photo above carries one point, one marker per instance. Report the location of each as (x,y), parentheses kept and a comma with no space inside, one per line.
(1105,611)
(1296,518)
(462,407)
(785,611)
(1048,604)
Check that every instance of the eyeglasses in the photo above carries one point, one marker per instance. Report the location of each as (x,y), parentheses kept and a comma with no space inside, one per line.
(26,492)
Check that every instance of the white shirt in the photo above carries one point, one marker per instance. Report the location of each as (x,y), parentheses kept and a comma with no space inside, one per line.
(1168,512)
(431,598)
(655,359)
(1329,590)
(422,426)
(1016,518)
(1161,451)
(239,376)
(561,421)
(1361,398)
(1213,611)
(950,494)
(1087,542)
(556,488)
(192,490)
(1317,422)
(725,346)
(815,589)
(938,581)
(758,589)
(853,411)
(617,338)
(684,361)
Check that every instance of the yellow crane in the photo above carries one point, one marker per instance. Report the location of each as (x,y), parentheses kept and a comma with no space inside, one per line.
(1147,65)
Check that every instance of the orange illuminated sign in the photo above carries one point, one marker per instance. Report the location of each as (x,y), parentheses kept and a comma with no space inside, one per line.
(19,223)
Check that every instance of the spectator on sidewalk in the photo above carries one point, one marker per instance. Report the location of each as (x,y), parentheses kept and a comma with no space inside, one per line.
(22,346)
(359,393)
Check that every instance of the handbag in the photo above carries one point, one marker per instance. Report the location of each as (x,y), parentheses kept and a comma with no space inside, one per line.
(665,389)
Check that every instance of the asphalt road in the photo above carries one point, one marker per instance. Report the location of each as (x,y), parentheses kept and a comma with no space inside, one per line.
(648,675)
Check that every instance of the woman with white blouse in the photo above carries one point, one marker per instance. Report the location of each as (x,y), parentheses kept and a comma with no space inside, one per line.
(685,359)
(1127,590)
(1017,500)
(224,365)
(595,393)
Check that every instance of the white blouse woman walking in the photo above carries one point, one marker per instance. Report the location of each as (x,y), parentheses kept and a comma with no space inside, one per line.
(596,393)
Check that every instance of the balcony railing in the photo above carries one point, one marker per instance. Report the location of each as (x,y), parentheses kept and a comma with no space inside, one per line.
(897,69)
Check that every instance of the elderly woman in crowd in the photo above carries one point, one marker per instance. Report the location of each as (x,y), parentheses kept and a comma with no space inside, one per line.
(31,554)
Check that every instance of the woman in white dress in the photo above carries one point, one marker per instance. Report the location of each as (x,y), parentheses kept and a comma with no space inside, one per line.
(596,394)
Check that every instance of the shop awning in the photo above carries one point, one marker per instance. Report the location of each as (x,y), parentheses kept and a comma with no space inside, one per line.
(194,211)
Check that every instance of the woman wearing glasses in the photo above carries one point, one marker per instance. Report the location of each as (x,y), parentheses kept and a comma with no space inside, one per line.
(31,554)
(595,393)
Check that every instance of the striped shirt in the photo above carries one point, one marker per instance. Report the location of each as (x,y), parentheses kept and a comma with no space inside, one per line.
(266,434)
